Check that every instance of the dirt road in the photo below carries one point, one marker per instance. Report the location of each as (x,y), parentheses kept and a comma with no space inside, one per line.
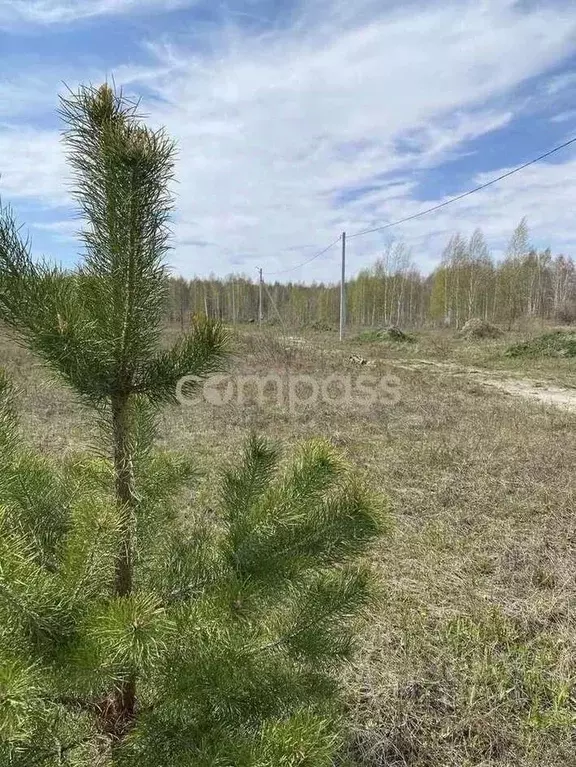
(540,391)
(530,389)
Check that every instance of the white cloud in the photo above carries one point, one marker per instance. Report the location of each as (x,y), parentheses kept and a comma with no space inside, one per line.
(562,117)
(26,95)
(274,128)
(65,11)
(560,82)
(32,166)
(266,124)
(543,193)
(65,230)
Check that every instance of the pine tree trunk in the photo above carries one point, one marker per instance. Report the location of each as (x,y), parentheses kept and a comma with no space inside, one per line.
(123,709)
(125,493)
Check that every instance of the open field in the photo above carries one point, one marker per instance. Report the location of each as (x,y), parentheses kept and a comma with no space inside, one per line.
(470,657)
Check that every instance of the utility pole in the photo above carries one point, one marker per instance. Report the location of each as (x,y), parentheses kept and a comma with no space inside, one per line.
(260,283)
(343,288)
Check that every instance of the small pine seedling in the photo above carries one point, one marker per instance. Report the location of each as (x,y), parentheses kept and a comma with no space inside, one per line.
(133,634)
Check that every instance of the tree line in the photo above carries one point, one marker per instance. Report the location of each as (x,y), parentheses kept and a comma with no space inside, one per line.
(526,283)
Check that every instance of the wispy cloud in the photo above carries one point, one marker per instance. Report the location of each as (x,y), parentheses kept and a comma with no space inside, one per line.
(561,82)
(567,116)
(277,128)
(65,11)
(25,95)
(261,122)
(65,229)
(33,166)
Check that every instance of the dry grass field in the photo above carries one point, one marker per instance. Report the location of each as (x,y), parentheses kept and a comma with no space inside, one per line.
(470,657)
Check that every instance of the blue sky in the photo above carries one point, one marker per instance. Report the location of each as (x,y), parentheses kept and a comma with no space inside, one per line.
(298,119)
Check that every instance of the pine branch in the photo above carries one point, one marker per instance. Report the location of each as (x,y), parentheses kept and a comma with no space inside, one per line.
(200,353)
(8,418)
(314,516)
(326,599)
(60,752)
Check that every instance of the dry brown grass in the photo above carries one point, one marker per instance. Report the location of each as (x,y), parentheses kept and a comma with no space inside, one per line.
(470,658)
(488,354)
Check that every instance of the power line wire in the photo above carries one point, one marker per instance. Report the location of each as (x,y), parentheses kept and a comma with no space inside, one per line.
(465,194)
(428,210)
(308,261)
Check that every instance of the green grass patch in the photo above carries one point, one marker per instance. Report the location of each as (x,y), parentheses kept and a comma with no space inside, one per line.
(393,334)
(558,343)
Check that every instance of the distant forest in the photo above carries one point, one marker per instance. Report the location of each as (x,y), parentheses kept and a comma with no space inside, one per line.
(525,284)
